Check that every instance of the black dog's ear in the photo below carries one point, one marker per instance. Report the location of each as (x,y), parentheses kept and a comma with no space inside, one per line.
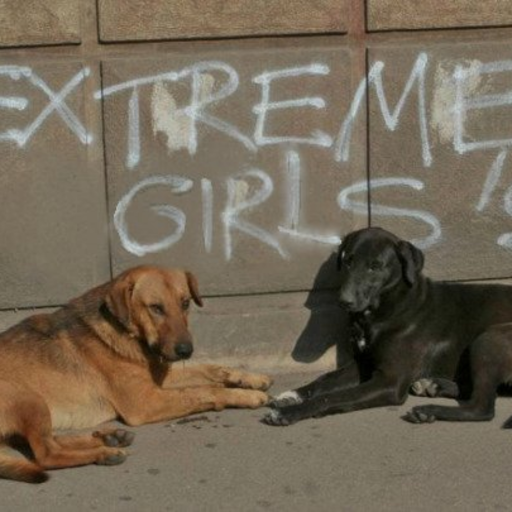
(412,260)
(341,249)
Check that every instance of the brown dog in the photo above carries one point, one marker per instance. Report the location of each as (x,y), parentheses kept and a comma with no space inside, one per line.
(107,355)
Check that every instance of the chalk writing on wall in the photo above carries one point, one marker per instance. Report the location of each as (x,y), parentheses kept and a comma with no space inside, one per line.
(56,103)
(213,82)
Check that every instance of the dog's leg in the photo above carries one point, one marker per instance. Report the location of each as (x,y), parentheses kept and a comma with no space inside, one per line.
(116,437)
(49,453)
(28,416)
(488,360)
(15,468)
(35,421)
(158,404)
(217,376)
(342,378)
(470,411)
(376,392)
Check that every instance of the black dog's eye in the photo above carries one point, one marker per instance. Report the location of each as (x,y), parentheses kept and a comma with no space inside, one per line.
(348,260)
(185,304)
(157,309)
(375,265)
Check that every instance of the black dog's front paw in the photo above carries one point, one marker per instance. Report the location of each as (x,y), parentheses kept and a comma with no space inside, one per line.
(276,418)
(282,417)
(286,399)
(420,414)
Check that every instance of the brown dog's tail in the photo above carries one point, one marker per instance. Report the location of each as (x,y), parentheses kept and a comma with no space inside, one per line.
(21,470)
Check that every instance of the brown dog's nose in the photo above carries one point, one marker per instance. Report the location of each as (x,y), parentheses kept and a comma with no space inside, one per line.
(184,350)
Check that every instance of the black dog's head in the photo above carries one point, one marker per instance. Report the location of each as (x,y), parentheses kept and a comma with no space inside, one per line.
(373,261)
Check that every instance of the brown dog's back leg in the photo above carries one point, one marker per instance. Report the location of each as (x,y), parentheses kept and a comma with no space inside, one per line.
(25,413)
(66,451)
(117,437)
(10,426)
(21,470)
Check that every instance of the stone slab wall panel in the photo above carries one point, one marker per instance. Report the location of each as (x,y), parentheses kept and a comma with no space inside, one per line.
(247,174)
(433,14)
(145,20)
(39,22)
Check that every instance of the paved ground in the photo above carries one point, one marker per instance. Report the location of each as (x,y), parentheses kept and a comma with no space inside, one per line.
(368,461)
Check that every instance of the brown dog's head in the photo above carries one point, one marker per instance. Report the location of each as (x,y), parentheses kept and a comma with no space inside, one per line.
(153,305)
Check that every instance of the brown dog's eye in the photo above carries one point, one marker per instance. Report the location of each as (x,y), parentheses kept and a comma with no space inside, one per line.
(157,309)
(185,304)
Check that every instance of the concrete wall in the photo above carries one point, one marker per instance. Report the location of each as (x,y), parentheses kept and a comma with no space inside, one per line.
(194,134)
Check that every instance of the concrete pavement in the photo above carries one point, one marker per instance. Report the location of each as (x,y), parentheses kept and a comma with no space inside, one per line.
(228,461)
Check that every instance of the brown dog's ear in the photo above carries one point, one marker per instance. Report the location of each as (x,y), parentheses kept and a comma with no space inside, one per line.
(412,260)
(118,300)
(194,288)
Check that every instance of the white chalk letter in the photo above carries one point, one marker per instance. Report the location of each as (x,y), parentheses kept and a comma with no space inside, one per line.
(133,156)
(207,195)
(463,104)
(178,185)
(200,100)
(237,202)
(291,227)
(492,180)
(391,118)
(318,137)
(361,207)
(505,240)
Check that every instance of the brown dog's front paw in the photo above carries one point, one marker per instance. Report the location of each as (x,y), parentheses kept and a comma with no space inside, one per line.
(258,399)
(248,380)
(247,398)
(240,398)
(259,381)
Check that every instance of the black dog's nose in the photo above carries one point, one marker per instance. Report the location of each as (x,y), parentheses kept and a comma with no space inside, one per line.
(184,350)
(346,303)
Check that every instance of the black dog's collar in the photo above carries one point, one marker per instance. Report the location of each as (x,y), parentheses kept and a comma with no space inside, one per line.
(359,330)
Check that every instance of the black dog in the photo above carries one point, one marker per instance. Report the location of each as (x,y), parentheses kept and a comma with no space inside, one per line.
(409,329)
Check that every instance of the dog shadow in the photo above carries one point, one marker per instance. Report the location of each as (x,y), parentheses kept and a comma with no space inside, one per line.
(328,324)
